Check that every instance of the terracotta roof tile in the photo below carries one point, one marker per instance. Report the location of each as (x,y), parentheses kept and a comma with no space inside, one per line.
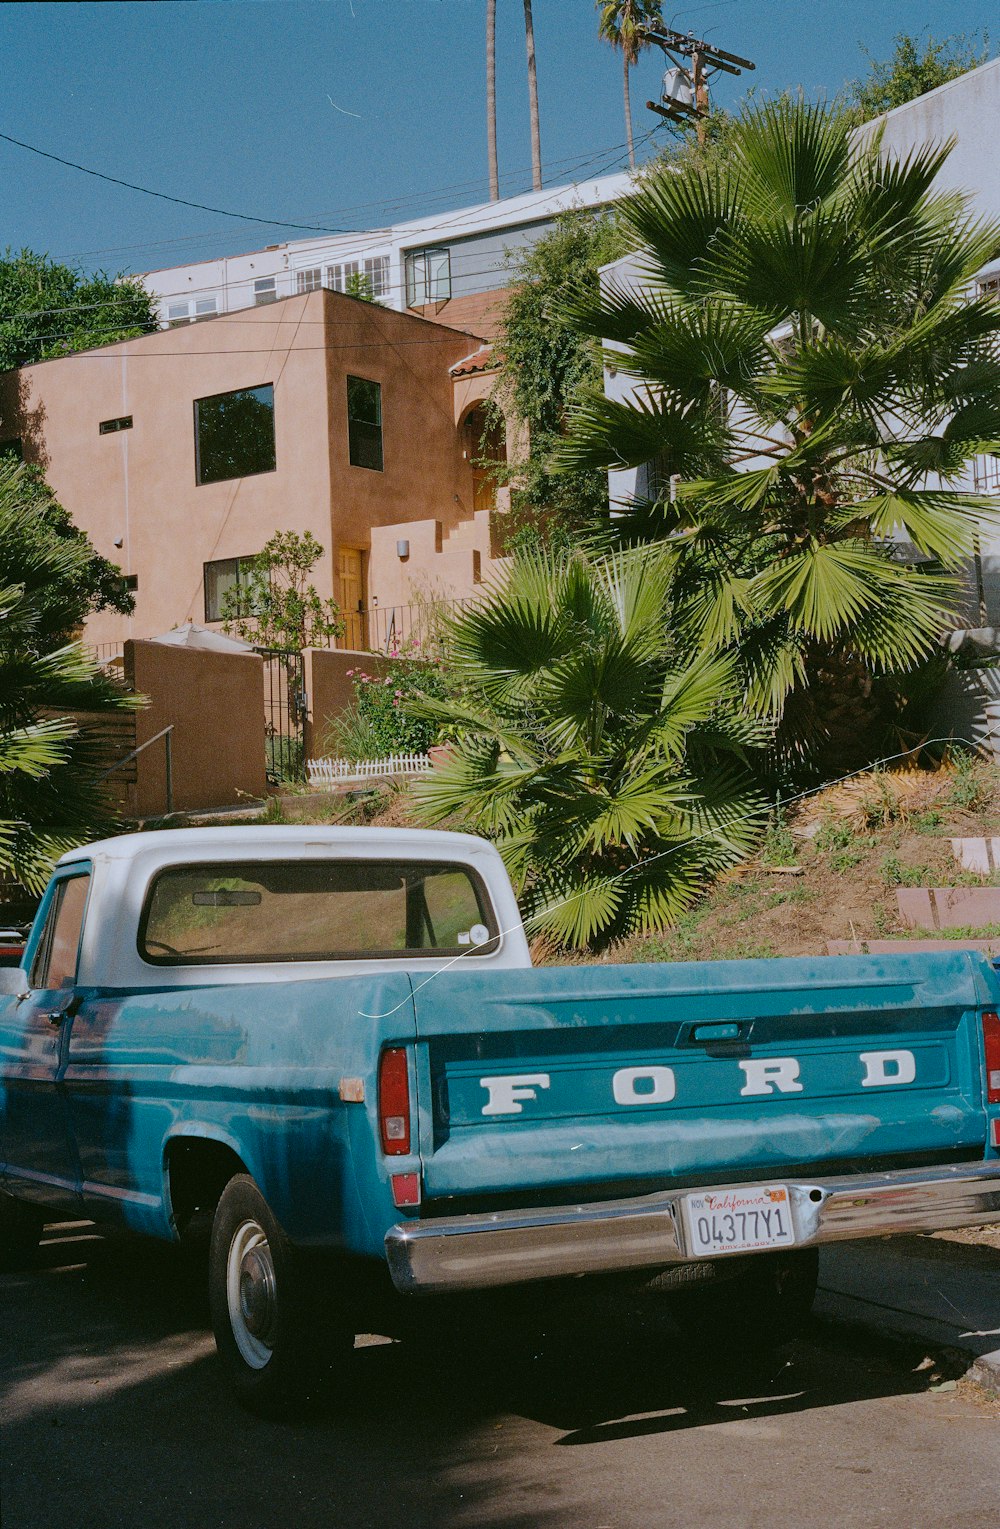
(480,360)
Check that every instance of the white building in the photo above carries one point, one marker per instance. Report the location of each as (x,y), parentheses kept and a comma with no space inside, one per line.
(425,264)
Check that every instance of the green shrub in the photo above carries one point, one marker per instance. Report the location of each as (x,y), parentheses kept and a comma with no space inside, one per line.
(383,719)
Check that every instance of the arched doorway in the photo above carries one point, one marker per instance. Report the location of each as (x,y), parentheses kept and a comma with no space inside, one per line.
(485,448)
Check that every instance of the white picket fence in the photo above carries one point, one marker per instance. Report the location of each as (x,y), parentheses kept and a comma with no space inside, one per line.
(327,774)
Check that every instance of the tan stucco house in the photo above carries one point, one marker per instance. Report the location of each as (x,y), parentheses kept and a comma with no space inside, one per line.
(181,452)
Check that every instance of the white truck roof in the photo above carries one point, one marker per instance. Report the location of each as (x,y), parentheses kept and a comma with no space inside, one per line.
(124,867)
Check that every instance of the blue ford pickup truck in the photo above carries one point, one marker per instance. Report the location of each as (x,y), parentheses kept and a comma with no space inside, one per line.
(330,1045)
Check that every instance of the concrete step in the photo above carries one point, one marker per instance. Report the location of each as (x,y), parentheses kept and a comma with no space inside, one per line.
(979,855)
(948,907)
(859,947)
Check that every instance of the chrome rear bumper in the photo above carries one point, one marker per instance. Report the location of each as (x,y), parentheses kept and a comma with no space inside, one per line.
(508,1247)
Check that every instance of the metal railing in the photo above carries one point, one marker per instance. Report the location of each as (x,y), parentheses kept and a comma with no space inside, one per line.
(390,628)
(168,762)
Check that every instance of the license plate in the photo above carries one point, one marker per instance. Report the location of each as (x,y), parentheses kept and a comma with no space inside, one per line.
(738,1220)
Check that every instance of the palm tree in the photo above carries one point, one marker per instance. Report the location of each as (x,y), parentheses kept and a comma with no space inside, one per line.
(623,24)
(812,379)
(609,771)
(536,144)
(51,796)
(491,98)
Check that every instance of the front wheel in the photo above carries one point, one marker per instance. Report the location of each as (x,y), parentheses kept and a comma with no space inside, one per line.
(21,1228)
(273,1328)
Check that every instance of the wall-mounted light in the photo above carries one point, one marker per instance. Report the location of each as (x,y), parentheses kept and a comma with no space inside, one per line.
(119,541)
(402,550)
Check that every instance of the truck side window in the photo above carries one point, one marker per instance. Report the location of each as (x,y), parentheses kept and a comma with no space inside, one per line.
(59,948)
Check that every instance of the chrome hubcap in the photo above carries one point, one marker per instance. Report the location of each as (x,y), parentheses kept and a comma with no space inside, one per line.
(252,1293)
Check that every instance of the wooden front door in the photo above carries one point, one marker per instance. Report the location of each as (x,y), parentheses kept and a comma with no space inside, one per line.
(485,449)
(350,575)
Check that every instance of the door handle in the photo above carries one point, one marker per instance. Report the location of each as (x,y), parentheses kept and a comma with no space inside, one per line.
(55,1017)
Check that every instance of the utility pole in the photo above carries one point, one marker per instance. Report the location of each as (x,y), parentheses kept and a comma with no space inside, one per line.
(685,87)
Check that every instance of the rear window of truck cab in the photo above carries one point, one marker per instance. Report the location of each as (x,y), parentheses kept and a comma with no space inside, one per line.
(314,910)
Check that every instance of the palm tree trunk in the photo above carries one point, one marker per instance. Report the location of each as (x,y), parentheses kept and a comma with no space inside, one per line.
(491,98)
(536,144)
(628,116)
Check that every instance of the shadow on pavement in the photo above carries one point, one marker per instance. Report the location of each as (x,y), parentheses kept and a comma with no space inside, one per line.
(116,1413)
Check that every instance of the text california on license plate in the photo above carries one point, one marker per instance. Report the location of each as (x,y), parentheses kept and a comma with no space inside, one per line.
(738,1220)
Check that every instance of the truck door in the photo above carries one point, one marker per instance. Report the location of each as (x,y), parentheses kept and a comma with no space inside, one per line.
(37,1142)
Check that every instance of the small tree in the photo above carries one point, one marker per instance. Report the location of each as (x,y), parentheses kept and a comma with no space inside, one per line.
(51,309)
(545,364)
(51,796)
(39,534)
(914,68)
(275,605)
(359,285)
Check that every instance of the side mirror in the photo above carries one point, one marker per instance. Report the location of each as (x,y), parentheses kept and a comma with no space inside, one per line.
(14,982)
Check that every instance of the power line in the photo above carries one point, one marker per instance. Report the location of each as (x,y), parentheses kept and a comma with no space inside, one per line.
(435,194)
(341,254)
(199,206)
(163,196)
(486,212)
(107,353)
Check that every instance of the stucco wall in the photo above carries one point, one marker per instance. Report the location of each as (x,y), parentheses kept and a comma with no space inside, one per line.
(967,109)
(439,566)
(138,486)
(330,690)
(216,704)
(424,471)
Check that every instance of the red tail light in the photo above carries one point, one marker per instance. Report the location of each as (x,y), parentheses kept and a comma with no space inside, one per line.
(394,1102)
(991,1036)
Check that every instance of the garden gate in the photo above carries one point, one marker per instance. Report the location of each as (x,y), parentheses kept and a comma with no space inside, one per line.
(285,709)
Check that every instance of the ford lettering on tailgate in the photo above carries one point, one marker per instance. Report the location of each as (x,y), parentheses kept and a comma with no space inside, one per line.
(753,1077)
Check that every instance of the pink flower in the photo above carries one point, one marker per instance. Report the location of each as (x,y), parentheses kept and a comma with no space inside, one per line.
(350,673)
(398,694)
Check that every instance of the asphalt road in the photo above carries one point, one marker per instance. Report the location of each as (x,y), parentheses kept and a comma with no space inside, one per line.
(113,1413)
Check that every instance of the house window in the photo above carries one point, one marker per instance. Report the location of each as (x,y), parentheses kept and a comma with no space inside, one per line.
(110,426)
(220,577)
(377,272)
(234,434)
(131,582)
(364,422)
(309,281)
(349,273)
(265,290)
(989,286)
(986,473)
(191,310)
(428,277)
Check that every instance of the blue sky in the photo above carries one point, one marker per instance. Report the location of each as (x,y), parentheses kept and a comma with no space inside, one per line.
(230,104)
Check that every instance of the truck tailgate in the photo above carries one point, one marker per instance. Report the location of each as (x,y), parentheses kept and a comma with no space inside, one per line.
(534,1084)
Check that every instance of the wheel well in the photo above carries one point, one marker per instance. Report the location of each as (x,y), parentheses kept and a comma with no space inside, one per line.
(198,1170)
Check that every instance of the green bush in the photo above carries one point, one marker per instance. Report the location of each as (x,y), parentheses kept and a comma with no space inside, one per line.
(383,720)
